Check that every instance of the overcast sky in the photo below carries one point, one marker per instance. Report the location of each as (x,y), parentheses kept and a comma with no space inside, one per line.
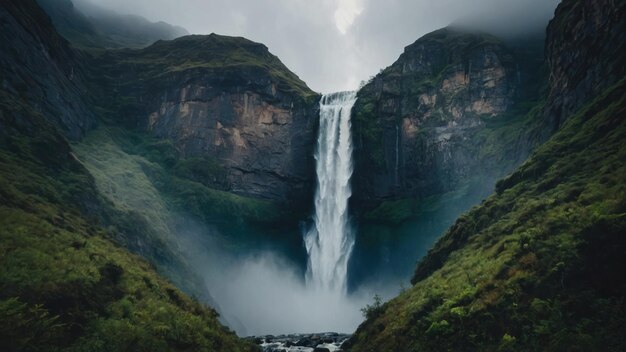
(334,44)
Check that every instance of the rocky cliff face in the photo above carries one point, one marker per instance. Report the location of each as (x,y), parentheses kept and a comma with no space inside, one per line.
(37,65)
(585,53)
(227,99)
(419,123)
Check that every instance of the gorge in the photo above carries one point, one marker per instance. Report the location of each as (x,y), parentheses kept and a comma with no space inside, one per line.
(161,191)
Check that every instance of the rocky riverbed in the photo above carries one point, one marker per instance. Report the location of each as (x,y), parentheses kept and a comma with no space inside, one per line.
(323,342)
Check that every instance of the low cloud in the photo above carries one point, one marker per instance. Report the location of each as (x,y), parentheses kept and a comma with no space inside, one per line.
(334,44)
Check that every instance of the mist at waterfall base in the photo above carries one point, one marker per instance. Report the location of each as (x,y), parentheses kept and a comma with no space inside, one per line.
(262,289)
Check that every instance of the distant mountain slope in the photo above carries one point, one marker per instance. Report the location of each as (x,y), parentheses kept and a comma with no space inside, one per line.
(539,265)
(89,26)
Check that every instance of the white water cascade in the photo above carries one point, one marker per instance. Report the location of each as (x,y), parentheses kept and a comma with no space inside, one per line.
(329,242)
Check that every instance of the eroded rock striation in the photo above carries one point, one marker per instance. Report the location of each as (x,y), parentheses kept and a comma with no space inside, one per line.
(422,124)
(585,53)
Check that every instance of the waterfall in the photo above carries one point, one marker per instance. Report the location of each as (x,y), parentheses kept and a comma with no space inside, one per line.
(397,154)
(329,241)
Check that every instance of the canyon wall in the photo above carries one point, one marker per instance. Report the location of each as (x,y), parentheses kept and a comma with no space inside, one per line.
(224,98)
(428,122)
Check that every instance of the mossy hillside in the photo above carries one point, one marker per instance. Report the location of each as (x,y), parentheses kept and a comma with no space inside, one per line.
(147,176)
(72,289)
(162,177)
(134,212)
(120,178)
(65,285)
(536,266)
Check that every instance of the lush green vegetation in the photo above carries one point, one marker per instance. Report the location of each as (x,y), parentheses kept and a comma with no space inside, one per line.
(139,172)
(536,266)
(64,284)
(157,190)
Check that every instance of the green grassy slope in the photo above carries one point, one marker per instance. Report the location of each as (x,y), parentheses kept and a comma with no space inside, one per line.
(145,175)
(64,284)
(537,266)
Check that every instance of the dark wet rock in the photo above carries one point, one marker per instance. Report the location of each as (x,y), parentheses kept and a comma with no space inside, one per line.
(37,66)
(584,51)
(422,125)
(303,342)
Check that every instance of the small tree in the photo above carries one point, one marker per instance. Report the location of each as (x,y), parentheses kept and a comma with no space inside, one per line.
(374,310)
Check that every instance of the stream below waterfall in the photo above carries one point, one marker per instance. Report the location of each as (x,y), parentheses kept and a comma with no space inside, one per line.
(323,342)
